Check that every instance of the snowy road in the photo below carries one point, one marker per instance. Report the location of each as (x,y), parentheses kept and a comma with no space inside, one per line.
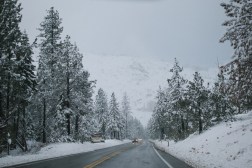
(141,155)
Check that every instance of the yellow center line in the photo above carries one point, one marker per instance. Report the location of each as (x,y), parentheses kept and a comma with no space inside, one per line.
(109,156)
(99,161)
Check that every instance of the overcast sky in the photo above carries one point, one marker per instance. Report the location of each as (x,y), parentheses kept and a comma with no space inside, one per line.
(187,29)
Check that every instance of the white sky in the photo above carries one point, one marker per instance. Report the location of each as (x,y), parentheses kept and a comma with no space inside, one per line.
(187,29)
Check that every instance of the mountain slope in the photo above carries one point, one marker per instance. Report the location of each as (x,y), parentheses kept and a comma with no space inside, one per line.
(138,77)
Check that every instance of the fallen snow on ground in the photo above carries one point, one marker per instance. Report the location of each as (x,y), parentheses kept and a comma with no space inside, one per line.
(227,145)
(58,149)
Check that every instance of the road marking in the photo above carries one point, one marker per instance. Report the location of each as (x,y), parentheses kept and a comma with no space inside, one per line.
(170,166)
(99,161)
(109,156)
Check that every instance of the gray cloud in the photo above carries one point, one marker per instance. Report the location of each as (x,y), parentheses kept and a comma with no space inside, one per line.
(188,30)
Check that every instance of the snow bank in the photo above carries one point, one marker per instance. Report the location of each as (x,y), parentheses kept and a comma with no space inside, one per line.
(227,145)
(58,149)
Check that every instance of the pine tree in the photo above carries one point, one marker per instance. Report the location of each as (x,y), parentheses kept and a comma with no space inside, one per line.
(24,86)
(136,129)
(10,18)
(82,122)
(50,31)
(176,91)
(68,67)
(240,36)
(17,78)
(198,95)
(222,108)
(114,118)
(126,112)
(170,112)
(161,113)
(101,110)
(83,118)
(151,129)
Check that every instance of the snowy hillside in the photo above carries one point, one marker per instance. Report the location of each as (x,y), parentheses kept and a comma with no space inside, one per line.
(138,77)
(227,145)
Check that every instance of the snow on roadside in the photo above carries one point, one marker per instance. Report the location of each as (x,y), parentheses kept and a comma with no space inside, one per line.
(227,145)
(58,149)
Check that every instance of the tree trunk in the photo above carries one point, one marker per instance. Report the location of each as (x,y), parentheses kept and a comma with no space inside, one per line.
(68,104)
(218,112)
(239,108)
(8,149)
(126,135)
(68,87)
(1,108)
(2,135)
(76,124)
(200,121)
(24,129)
(17,126)
(8,100)
(103,128)
(162,133)
(182,127)
(8,109)
(68,124)
(186,127)
(44,120)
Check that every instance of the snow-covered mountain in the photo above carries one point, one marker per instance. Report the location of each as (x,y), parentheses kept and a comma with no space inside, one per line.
(139,77)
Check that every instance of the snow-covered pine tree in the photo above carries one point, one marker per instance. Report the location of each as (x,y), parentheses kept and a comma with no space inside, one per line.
(239,33)
(161,113)
(68,67)
(198,95)
(176,93)
(121,126)
(126,113)
(24,86)
(136,129)
(152,132)
(50,35)
(16,70)
(10,17)
(2,113)
(222,108)
(114,118)
(101,110)
(82,105)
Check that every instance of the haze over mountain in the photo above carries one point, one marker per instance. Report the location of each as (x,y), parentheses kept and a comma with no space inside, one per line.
(139,77)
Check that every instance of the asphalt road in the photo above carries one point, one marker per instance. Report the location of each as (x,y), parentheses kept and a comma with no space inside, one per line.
(143,156)
(139,155)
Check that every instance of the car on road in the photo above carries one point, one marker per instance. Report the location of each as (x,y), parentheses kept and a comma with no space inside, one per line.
(135,140)
(97,137)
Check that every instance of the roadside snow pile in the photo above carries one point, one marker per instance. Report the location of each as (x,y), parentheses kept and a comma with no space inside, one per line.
(59,149)
(227,145)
